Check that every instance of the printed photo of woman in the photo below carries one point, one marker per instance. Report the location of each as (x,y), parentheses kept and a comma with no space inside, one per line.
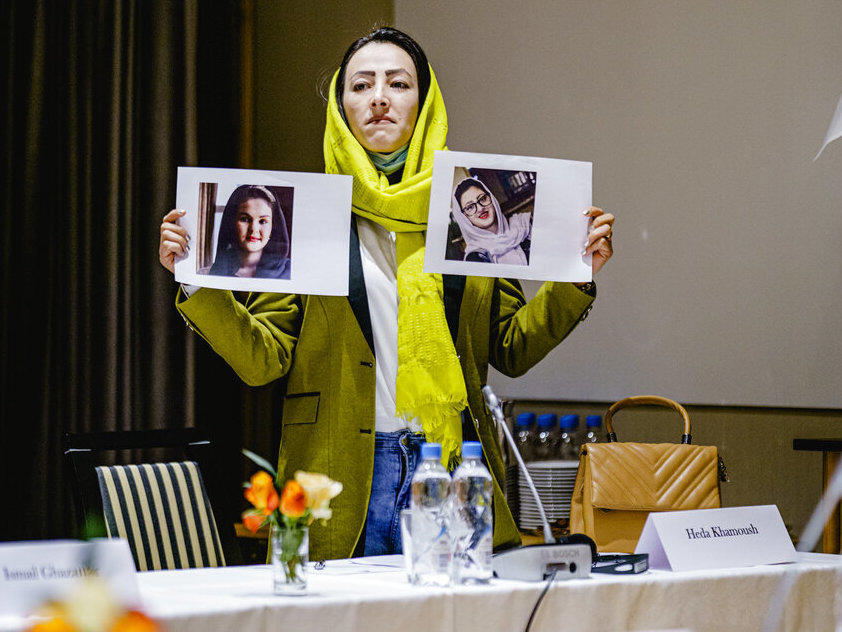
(253,237)
(489,235)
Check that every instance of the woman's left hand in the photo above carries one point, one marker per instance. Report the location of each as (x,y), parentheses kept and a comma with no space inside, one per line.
(599,237)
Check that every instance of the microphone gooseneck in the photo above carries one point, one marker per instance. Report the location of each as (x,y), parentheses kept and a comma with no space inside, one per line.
(493,404)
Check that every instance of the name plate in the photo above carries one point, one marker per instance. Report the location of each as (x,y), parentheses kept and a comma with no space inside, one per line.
(715,538)
(34,572)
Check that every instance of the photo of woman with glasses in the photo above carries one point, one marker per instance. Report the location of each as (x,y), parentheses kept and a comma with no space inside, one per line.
(489,236)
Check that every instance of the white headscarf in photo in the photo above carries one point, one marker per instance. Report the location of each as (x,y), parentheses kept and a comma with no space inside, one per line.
(502,246)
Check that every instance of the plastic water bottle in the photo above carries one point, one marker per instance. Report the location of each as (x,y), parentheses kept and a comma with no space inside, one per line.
(430,504)
(545,438)
(593,424)
(525,435)
(471,526)
(568,450)
(576,434)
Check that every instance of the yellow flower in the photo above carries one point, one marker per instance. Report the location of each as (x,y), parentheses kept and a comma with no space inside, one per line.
(320,490)
(56,624)
(90,606)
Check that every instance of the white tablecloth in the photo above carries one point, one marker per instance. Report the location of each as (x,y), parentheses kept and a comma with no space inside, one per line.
(373,594)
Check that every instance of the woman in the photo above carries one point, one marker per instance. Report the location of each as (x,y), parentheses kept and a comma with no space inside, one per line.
(405,351)
(253,239)
(489,236)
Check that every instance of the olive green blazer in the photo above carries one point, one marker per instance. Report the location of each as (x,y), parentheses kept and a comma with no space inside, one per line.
(323,345)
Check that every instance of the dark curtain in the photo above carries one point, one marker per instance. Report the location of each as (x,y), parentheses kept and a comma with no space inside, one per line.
(103,100)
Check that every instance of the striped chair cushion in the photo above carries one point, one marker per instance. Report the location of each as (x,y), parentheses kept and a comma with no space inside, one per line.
(162,509)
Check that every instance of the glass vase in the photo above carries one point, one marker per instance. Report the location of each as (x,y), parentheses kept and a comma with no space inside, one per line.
(290,553)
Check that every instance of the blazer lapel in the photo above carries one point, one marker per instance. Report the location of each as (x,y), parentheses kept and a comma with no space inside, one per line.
(454,288)
(357,296)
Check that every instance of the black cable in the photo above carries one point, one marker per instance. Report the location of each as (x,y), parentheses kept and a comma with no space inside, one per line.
(540,599)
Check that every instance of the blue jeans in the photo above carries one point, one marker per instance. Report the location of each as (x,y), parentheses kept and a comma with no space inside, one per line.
(396,455)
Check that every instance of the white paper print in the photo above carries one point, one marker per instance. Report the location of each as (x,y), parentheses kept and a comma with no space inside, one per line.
(509,216)
(32,573)
(715,538)
(265,231)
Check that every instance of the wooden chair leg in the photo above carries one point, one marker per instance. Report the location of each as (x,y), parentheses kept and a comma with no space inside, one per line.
(831,534)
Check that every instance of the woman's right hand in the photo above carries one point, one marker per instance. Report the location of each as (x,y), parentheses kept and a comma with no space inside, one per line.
(174,239)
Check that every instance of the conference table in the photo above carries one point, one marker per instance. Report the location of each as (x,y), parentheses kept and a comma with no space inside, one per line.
(373,594)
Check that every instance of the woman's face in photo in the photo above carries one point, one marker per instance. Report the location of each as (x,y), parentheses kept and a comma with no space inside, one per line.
(477,207)
(381,96)
(254,224)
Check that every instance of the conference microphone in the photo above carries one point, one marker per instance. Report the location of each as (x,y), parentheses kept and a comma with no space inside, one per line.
(538,561)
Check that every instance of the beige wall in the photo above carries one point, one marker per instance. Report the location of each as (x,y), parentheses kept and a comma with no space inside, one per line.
(297,48)
(702,119)
(298,45)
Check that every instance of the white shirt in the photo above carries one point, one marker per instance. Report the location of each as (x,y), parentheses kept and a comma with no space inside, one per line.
(380,268)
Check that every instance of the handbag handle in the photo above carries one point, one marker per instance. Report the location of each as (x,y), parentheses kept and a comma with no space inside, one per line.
(646,400)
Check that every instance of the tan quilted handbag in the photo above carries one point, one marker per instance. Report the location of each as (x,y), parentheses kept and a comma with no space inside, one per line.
(619,483)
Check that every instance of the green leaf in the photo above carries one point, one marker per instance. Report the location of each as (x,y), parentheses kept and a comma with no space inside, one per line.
(259,460)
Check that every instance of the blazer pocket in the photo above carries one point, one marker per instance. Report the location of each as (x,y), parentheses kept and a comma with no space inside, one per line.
(301,408)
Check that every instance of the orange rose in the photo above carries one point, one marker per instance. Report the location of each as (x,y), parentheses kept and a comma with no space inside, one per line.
(293,500)
(134,621)
(272,502)
(262,494)
(252,521)
(53,625)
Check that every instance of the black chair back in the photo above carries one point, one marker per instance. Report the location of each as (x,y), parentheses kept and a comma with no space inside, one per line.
(85,454)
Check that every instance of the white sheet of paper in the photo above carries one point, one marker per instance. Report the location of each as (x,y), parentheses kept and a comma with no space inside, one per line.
(834,131)
(556,192)
(355,566)
(33,572)
(715,538)
(318,237)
